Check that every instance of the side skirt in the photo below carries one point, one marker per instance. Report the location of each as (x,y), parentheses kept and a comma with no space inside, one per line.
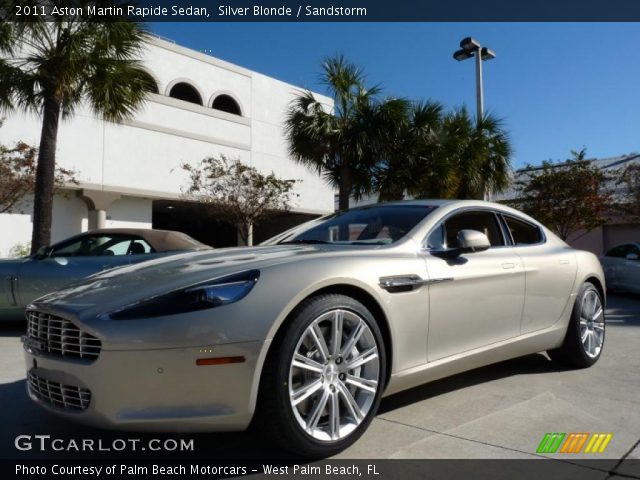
(479,357)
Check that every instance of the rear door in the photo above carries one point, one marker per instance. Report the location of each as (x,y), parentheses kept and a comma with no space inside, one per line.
(549,272)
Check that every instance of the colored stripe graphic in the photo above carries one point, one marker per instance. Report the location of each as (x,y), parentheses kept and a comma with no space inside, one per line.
(598,443)
(573,442)
(550,442)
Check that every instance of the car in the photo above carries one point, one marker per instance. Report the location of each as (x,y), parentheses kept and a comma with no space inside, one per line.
(301,336)
(55,266)
(621,267)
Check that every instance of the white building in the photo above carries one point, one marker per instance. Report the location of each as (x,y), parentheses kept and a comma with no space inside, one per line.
(130,173)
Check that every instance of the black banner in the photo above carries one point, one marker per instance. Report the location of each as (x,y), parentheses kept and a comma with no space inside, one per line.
(327,10)
(338,469)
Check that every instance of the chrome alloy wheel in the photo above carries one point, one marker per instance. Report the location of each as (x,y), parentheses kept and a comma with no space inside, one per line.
(334,375)
(591,324)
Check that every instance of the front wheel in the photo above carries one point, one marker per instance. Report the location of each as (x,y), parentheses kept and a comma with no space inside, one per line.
(584,340)
(322,385)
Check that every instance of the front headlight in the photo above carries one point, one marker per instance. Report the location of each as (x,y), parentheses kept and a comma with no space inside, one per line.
(213,293)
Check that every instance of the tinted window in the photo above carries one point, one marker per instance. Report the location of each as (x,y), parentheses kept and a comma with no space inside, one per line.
(620,251)
(446,234)
(523,233)
(98,245)
(379,224)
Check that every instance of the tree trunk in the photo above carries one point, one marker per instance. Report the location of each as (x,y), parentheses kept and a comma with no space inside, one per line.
(345,186)
(45,176)
(343,197)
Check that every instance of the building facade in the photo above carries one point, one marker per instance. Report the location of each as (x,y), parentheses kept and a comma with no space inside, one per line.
(129,173)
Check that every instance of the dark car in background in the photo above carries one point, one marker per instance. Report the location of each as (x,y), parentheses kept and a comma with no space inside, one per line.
(25,279)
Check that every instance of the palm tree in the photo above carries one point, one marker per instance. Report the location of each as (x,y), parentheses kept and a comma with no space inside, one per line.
(479,154)
(55,66)
(343,144)
(411,139)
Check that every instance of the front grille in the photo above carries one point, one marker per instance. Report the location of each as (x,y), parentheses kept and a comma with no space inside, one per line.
(60,337)
(58,395)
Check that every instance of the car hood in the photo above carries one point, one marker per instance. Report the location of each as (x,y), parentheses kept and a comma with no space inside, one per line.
(113,289)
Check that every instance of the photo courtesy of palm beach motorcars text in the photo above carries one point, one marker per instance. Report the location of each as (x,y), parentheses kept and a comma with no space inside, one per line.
(198,470)
(319,239)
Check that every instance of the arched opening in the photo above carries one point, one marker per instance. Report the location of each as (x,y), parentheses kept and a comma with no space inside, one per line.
(185,92)
(226,103)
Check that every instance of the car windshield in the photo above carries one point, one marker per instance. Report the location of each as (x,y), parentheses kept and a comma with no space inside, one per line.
(372,225)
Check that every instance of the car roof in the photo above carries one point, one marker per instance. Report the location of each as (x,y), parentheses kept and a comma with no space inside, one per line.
(160,240)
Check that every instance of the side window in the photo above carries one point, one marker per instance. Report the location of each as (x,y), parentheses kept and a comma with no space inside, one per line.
(436,238)
(99,245)
(81,247)
(523,233)
(126,246)
(446,234)
(618,252)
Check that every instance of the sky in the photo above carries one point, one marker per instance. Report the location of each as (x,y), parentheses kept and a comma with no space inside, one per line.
(557,86)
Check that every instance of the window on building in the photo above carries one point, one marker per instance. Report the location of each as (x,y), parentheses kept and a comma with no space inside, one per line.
(185,92)
(227,104)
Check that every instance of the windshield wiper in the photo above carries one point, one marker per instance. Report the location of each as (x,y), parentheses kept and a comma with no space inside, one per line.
(304,241)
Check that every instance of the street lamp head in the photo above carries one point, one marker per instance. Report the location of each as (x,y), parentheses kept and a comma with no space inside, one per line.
(462,55)
(469,44)
(487,54)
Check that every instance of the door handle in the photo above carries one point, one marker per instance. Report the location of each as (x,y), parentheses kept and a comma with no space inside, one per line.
(507,266)
(9,283)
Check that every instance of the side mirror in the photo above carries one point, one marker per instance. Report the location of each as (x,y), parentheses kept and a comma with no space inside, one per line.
(471,241)
(632,256)
(41,253)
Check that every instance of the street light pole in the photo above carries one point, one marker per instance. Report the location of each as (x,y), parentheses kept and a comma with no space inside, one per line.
(470,48)
(479,92)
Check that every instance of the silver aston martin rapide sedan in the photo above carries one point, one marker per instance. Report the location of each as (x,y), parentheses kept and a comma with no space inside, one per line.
(304,334)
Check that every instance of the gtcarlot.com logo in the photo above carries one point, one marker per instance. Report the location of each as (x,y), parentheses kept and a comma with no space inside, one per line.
(574,442)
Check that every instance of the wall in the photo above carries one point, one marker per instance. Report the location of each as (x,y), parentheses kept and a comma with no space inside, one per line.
(69,218)
(142,156)
(129,212)
(600,240)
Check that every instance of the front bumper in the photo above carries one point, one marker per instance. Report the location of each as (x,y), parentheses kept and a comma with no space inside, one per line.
(154,390)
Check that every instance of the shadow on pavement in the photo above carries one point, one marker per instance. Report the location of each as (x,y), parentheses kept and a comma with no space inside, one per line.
(12,328)
(530,364)
(20,416)
(623,309)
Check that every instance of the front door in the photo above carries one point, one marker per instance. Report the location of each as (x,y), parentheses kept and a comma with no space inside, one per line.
(475,299)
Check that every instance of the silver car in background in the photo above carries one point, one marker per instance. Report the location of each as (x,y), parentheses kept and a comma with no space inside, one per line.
(621,266)
(53,267)
(304,334)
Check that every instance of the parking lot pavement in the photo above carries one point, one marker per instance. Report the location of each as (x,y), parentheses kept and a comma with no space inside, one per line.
(499,411)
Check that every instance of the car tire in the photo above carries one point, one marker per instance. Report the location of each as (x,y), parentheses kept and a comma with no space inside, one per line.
(324,376)
(584,340)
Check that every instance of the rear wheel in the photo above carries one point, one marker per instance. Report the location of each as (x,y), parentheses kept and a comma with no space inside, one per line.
(322,385)
(584,340)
